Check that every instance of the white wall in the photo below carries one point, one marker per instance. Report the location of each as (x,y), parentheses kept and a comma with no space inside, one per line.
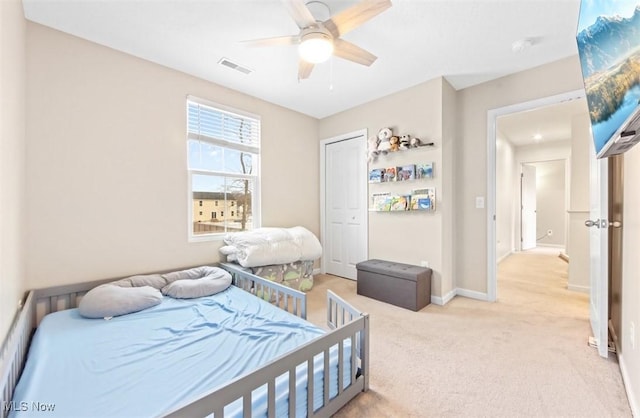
(578,240)
(507,198)
(537,153)
(12,160)
(551,208)
(107,184)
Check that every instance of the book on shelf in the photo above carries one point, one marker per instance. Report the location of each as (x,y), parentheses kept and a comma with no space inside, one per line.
(400,203)
(381,202)
(389,174)
(424,171)
(407,172)
(376,175)
(424,199)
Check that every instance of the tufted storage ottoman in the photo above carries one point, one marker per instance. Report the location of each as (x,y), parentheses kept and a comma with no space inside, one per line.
(400,284)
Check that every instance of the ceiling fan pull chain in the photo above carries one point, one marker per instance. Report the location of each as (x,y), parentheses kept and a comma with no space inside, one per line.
(331,74)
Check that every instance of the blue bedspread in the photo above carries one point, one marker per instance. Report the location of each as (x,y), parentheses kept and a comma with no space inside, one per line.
(147,363)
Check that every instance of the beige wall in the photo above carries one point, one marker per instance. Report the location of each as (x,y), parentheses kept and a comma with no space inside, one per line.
(471,179)
(12,160)
(106,138)
(507,197)
(630,356)
(409,237)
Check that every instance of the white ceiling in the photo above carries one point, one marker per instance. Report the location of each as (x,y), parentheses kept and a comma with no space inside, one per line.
(552,123)
(467,41)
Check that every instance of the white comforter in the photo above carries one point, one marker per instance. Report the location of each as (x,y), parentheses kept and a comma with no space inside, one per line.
(266,246)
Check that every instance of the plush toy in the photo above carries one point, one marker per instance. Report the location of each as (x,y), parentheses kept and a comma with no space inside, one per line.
(415,142)
(384,135)
(395,143)
(404,141)
(372,148)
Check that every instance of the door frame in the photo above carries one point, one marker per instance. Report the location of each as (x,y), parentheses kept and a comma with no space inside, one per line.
(360,134)
(492,116)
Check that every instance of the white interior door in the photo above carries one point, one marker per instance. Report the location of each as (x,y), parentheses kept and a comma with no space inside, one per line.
(345,199)
(528,200)
(599,252)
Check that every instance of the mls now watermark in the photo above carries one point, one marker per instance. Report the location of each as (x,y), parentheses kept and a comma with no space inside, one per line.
(28,406)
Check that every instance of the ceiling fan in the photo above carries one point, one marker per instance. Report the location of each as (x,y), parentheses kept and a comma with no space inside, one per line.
(318,40)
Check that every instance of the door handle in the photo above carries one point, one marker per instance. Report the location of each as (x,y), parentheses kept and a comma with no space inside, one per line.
(589,223)
(615,224)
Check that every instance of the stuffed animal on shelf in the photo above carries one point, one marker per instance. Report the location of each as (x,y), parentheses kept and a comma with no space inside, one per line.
(384,135)
(395,143)
(372,148)
(415,142)
(405,141)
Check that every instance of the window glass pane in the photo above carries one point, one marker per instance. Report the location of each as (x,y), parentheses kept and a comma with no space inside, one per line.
(219,194)
(205,156)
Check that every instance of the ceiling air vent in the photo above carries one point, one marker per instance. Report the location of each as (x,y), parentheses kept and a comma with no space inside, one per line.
(227,63)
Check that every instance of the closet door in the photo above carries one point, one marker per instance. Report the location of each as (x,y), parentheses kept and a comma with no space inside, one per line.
(345,226)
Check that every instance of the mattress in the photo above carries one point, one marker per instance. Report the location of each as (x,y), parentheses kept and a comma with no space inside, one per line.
(147,363)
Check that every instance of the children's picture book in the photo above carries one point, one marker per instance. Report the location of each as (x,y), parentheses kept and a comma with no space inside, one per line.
(381,202)
(407,172)
(400,203)
(390,174)
(376,175)
(424,171)
(424,199)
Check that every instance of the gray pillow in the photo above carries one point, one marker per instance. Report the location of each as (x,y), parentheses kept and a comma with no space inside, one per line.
(216,281)
(111,300)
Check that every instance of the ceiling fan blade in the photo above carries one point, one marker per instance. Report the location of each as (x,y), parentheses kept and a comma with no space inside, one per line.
(278,40)
(300,13)
(304,69)
(355,16)
(347,50)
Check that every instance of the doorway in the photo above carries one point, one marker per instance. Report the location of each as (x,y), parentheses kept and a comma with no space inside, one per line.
(343,200)
(500,209)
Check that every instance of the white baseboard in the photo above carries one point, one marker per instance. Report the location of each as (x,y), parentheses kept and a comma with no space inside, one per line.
(472,294)
(501,259)
(633,402)
(437,300)
(581,289)
(316,271)
(551,245)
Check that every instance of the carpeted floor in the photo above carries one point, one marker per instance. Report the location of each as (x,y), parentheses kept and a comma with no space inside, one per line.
(525,355)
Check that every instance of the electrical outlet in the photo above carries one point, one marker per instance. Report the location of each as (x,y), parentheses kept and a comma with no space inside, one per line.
(549,232)
(632,335)
(424,263)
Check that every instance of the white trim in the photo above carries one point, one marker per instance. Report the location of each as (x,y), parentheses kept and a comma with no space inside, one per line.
(472,294)
(504,257)
(631,397)
(441,301)
(492,115)
(361,133)
(581,289)
(558,246)
(316,271)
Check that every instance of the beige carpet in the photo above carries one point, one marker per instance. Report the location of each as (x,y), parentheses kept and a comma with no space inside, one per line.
(525,355)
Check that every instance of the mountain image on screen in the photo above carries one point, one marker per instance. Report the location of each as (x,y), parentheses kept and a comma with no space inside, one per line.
(609,50)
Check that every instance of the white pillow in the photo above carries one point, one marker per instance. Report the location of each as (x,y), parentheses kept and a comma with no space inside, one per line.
(111,300)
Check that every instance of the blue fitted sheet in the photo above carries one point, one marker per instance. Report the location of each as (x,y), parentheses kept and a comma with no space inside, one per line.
(147,363)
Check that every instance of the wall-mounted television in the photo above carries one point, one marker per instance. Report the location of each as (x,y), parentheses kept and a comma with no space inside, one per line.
(609,49)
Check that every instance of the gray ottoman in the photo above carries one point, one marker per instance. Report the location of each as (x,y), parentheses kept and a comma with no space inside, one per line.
(400,284)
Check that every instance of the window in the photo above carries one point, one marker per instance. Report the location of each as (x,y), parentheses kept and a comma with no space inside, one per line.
(223,162)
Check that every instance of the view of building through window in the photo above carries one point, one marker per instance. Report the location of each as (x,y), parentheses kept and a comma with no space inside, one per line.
(223,155)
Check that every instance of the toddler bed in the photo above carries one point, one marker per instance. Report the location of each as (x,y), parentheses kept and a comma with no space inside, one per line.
(230,354)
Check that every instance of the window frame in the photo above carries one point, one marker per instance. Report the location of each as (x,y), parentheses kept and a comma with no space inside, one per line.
(255,178)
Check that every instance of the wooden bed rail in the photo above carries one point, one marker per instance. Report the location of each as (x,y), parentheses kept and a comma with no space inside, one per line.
(356,331)
(286,298)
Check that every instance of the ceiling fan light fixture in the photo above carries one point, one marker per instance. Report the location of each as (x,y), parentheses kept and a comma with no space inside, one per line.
(316,47)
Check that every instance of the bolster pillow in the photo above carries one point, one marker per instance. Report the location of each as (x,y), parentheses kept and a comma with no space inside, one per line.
(112,300)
